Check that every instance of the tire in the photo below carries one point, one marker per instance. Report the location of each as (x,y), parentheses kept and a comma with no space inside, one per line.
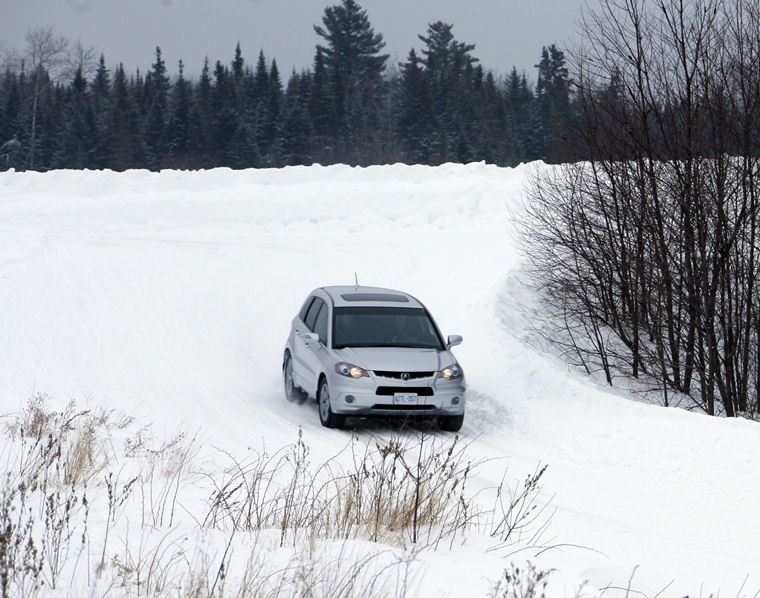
(326,415)
(292,392)
(451,423)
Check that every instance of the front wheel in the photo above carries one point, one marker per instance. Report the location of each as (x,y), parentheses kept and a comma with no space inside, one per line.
(326,415)
(450,423)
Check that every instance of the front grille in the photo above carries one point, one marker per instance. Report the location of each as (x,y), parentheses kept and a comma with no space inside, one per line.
(403,407)
(398,375)
(389,391)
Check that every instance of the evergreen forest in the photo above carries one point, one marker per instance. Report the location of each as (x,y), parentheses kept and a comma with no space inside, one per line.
(351,106)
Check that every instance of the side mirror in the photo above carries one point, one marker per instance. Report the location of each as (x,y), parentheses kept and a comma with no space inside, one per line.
(454,340)
(309,337)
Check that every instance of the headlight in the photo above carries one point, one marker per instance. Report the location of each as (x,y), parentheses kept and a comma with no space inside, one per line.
(350,371)
(453,372)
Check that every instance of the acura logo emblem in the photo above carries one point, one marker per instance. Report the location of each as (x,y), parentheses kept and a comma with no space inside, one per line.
(405,376)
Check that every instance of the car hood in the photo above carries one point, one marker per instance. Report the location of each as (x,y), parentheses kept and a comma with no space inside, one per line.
(396,359)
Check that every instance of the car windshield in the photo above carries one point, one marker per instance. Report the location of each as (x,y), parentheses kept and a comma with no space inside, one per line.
(384,327)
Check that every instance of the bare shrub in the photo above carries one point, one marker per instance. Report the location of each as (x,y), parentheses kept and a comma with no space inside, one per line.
(528,582)
(516,515)
(646,255)
(161,475)
(50,457)
(21,559)
(64,448)
(326,574)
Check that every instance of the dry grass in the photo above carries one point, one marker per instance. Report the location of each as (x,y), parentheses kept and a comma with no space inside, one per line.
(276,525)
(403,489)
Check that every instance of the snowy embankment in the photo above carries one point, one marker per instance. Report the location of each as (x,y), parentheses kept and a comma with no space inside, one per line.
(168,297)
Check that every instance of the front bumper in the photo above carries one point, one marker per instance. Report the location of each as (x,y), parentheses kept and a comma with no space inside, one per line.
(376,395)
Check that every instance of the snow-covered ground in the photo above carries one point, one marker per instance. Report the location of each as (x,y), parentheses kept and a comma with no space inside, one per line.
(168,297)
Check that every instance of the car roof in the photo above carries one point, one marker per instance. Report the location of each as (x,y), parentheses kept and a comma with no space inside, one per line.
(360,296)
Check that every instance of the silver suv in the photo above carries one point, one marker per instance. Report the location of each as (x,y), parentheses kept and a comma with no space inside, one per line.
(363,351)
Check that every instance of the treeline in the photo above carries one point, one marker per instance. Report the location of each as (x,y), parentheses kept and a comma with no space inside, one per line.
(649,252)
(351,106)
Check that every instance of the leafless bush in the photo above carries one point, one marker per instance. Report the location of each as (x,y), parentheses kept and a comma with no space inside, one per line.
(516,515)
(528,582)
(647,253)
(161,475)
(21,561)
(49,457)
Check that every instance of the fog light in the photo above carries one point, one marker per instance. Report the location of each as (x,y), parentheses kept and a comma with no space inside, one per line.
(455,401)
(350,398)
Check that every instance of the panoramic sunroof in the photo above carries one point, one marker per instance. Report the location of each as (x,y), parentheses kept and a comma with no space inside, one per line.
(374,297)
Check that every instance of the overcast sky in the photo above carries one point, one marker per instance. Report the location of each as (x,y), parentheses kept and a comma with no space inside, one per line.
(505,32)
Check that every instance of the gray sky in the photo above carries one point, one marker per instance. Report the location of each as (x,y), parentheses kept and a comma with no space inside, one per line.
(505,32)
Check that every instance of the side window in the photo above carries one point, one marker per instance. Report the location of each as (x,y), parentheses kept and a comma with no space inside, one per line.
(320,327)
(305,308)
(311,315)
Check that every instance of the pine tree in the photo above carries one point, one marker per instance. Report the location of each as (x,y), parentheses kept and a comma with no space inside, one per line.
(77,138)
(488,132)
(157,103)
(224,118)
(274,114)
(519,118)
(123,130)
(51,121)
(415,119)
(11,124)
(260,108)
(101,107)
(201,137)
(553,102)
(323,113)
(238,65)
(179,122)
(297,130)
(448,68)
(354,68)
(246,108)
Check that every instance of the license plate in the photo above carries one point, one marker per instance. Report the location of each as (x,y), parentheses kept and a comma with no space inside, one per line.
(404,398)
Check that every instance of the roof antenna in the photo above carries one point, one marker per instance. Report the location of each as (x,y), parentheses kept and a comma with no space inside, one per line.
(356,281)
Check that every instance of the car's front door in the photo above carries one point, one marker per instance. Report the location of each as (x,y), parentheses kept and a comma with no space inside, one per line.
(305,348)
